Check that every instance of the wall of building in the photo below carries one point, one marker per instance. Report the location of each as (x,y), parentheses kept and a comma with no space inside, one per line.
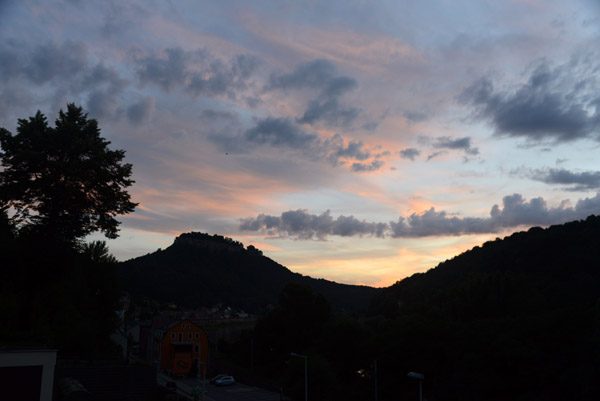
(184,332)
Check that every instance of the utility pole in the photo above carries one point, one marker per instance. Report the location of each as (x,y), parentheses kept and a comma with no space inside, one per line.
(375,379)
(420,377)
(252,354)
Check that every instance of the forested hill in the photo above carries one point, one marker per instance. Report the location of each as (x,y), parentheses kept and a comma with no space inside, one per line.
(517,318)
(550,267)
(203,270)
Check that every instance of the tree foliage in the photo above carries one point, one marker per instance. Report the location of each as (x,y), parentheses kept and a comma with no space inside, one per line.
(63,181)
(52,295)
(56,186)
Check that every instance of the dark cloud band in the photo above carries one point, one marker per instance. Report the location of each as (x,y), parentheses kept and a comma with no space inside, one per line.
(197,72)
(445,142)
(286,134)
(515,212)
(575,181)
(559,104)
(302,225)
(410,153)
(320,75)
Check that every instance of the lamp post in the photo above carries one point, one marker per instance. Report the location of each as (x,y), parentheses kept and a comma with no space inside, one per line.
(252,353)
(375,377)
(305,373)
(420,377)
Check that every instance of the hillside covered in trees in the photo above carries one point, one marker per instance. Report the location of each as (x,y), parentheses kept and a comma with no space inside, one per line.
(515,319)
(556,266)
(203,270)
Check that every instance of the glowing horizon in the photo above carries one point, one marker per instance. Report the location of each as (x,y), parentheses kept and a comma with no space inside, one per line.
(355,142)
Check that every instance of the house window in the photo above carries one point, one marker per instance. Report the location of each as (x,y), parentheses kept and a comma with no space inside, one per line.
(189,336)
(180,337)
(196,348)
(173,336)
(197,336)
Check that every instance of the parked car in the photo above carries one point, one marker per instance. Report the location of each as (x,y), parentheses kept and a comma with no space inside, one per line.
(225,381)
(217,377)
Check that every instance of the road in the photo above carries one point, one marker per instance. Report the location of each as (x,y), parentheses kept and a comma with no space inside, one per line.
(241,392)
(235,392)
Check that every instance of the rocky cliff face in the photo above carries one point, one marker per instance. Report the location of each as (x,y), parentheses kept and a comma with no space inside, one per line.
(207,242)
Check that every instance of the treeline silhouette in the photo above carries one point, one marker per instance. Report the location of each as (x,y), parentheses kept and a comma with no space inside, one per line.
(53,296)
(514,319)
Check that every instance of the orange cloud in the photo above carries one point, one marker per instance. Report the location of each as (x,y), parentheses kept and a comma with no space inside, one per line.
(417,204)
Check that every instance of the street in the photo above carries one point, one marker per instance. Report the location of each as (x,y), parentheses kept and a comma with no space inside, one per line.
(235,392)
(241,392)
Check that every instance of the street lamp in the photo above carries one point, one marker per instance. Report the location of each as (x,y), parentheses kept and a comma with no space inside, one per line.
(420,377)
(305,373)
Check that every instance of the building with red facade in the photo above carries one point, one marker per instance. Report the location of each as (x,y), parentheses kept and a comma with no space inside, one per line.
(178,346)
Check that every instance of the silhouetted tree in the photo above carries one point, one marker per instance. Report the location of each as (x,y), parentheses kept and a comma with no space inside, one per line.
(56,186)
(63,181)
(98,252)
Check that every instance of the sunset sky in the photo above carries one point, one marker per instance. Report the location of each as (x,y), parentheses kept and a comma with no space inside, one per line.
(357,141)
